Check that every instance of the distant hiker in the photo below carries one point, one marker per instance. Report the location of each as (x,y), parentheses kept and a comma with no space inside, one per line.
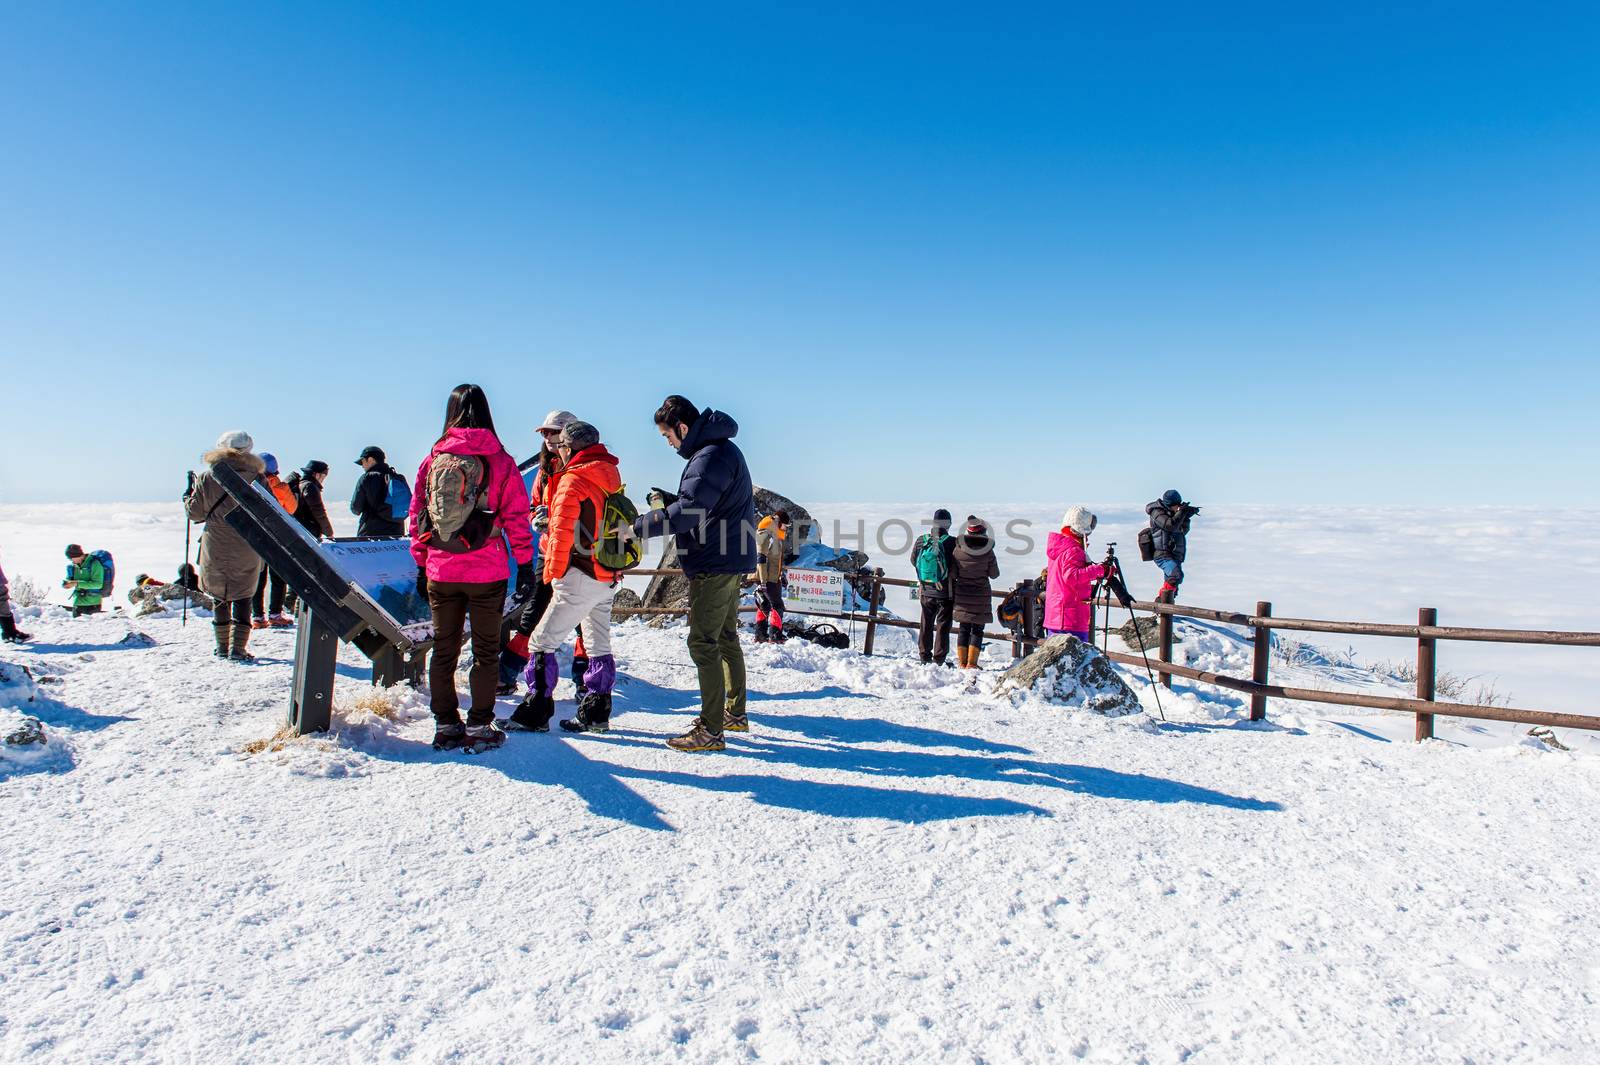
(86,580)
(1166,541)
(581,585)
(8,624)
(973,565)
(932,557)
(713,522)
(230,569)
(514,653)
(1071,575)
(260,615)
(306,484)
(770,578)
(382,498)
(468,493)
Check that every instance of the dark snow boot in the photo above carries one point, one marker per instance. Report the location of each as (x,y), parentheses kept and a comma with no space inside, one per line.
(763,633)
(539,705)
(580,666)
(594,714)
(12,634)
(241,637)
(481,738)
(222,641)
(448,735)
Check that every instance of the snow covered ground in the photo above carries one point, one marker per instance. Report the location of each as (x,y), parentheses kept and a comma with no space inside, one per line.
(888,868)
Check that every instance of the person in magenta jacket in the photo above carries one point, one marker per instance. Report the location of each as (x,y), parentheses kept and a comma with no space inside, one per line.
(463,575)
(1071,576)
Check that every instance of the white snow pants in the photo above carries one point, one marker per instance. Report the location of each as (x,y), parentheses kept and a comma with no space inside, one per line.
(577,599)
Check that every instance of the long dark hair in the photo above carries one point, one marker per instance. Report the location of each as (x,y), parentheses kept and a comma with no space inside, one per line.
(468,408)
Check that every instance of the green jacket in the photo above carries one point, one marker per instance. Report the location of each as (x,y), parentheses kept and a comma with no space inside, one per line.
(91,578)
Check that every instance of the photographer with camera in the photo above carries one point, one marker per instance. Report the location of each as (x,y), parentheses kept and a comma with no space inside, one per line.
(1166,541)
(1071,575)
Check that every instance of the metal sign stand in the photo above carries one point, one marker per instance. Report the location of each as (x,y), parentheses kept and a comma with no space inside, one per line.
(316,654)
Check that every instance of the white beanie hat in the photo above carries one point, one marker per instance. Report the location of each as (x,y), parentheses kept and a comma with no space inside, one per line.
(558,420)
(235,440)
(1079,520)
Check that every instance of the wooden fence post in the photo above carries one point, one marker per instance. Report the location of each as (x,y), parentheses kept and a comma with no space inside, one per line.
(1426,671)
(1164,630)
(872,613)
(1263,653)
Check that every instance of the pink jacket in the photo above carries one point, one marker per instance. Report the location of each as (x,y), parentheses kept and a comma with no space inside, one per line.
(507,495)
(1071,578)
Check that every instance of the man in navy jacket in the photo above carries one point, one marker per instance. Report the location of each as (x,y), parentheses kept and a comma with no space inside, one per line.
(714,523)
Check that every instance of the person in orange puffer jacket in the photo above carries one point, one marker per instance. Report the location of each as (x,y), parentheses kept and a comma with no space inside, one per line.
(581,589)
(259,603)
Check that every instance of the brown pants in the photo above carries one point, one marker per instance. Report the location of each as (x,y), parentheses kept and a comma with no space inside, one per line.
(453,603)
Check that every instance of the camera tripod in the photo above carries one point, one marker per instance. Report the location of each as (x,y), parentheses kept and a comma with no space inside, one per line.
(1115,586)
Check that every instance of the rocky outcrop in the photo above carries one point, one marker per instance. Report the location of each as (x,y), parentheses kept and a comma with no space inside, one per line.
(803,527)
(1068,672)
(626,599)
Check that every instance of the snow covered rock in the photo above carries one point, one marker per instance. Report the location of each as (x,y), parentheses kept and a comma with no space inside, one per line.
(17,688)
(1069,672)
(1147,629)
(28,732)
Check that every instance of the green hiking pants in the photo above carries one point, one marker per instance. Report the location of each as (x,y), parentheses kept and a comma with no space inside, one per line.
(714,646)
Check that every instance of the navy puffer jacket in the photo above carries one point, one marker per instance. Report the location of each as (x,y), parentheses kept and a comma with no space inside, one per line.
(714,516)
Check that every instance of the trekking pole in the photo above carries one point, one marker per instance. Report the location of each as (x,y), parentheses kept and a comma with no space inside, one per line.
(188,524)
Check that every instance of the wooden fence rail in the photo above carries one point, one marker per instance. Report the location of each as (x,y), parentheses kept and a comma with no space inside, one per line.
(1427,632)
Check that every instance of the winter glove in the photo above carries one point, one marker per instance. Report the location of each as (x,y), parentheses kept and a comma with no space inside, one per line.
(518,644)
(524,581)
(541,517)
(422,582)
(783,582)
(656,499)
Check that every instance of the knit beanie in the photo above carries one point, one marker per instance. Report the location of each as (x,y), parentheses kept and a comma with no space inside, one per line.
(235,440)
(271,462)
(579,435)
(1079,520)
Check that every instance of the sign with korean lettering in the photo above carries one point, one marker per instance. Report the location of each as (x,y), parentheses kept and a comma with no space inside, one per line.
(815,589)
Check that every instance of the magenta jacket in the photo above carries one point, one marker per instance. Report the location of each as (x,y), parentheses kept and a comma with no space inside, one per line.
(507,495)
(1071,578)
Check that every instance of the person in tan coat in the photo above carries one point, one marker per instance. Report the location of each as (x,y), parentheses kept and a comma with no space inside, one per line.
(770,536)
(229,567)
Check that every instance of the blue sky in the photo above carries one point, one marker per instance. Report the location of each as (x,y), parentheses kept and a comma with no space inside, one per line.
(921,253)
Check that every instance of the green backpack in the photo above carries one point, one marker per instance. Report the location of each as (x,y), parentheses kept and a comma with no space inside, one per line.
(610,550)
(931,568)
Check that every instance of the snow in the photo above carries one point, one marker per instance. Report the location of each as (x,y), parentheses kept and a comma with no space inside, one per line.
(887,868)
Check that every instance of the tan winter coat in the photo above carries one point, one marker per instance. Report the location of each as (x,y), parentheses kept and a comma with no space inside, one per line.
(229,567)
(769,551)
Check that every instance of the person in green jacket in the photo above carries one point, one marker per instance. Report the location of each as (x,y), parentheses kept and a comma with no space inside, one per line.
(86,578)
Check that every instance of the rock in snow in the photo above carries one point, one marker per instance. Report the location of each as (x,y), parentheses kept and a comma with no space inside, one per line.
(1067,671)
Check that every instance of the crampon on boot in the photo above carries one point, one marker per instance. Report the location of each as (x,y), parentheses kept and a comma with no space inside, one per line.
(533,714)
(594,714)
(480,738)
(448,735)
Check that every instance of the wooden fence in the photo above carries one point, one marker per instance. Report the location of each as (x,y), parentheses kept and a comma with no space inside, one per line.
(1427,633)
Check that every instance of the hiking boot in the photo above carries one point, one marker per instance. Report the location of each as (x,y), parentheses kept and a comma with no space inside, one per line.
(280,621)
(732,722)
(697,739)
(258,623)
(447,736)
(532,714)
(762,631)
(10,632)
(505,688)
(594,715)
(482,738)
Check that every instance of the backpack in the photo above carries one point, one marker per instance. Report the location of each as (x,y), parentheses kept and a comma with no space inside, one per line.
(1147,545)
(611,551)
(109,565)
(932,567)
(457,518)
(398,498)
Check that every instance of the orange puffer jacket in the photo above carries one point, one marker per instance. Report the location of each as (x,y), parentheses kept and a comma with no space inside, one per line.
(577,502)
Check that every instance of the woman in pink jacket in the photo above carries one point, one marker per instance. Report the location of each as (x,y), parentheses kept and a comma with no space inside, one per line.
(469,509)
(1071,576)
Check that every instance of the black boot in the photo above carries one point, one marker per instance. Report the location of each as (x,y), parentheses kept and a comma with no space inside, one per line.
(9,630)
(533,714)
(762,631)
(594,714)
(222,641)
(580,666)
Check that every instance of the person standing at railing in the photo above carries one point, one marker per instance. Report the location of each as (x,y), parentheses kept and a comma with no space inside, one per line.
(1071,575)
(713,520)
(1168,539)
(770,579)
(933,559)
(975,567)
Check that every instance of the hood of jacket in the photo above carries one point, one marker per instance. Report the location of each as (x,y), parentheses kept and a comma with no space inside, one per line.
(1062,543)
(246,464)
(769,523)
(711,427)
(596,466)
(460,441)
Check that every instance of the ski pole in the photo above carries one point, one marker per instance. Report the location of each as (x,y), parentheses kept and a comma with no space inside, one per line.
(188,524)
